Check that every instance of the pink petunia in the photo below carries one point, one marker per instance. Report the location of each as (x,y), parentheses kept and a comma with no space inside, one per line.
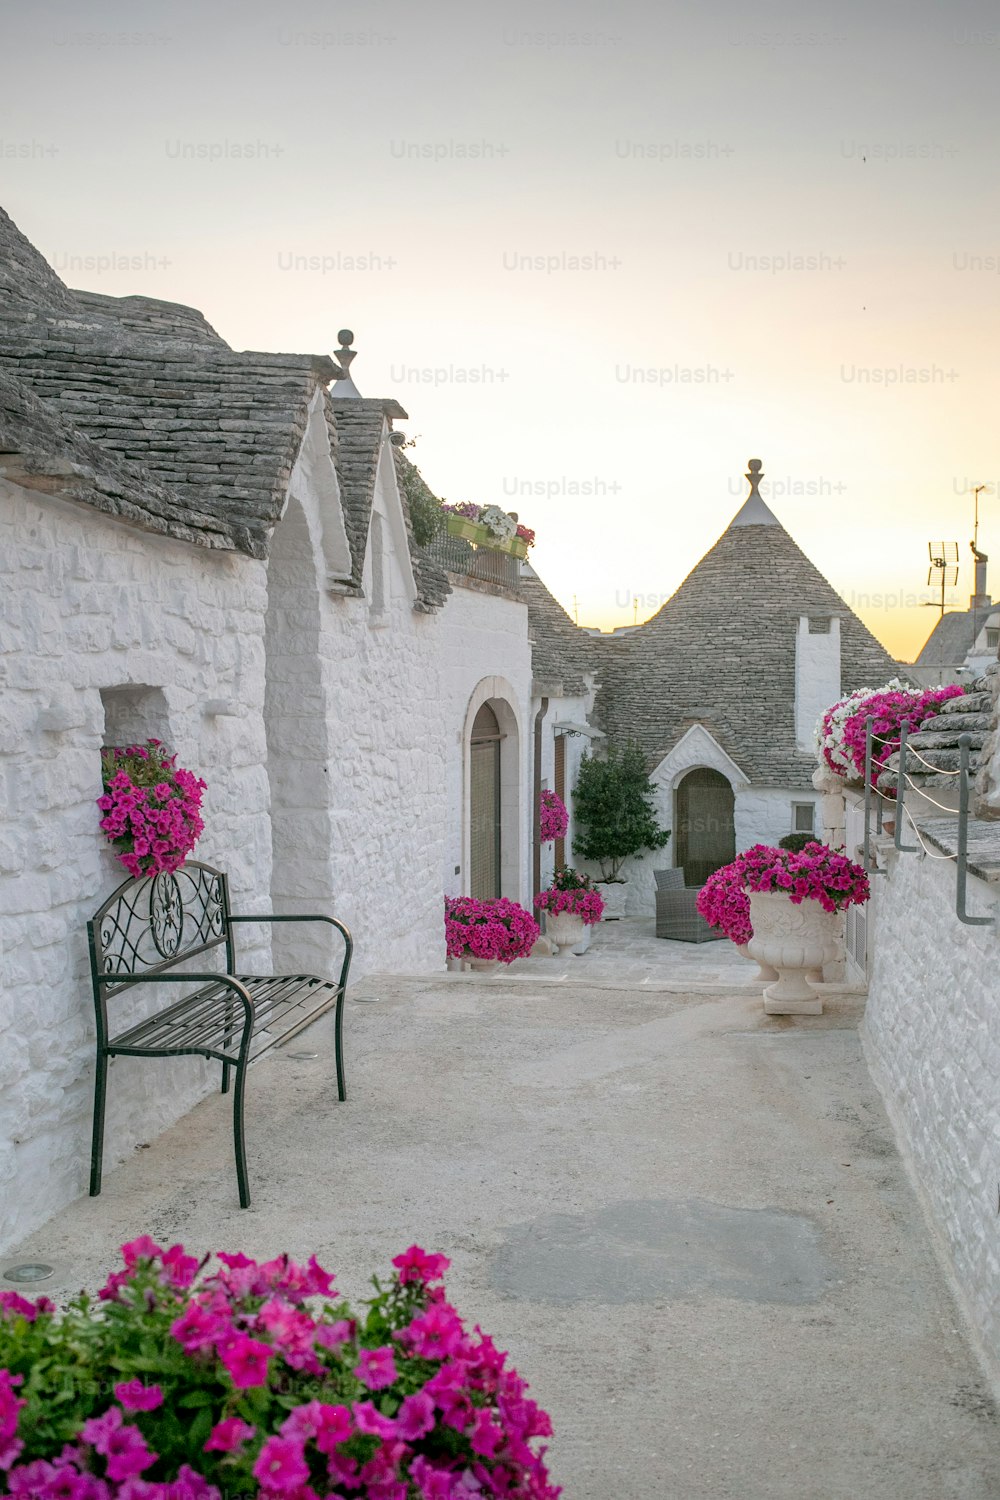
(10,1405)
(246,1360)
(376,1368)
(123,1447)
(415,1264)
(281,1466)
(368,1419)
(135,1396)
(228,1435)
(415,1417)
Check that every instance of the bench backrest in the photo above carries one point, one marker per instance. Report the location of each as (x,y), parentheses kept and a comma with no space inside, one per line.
(150,924)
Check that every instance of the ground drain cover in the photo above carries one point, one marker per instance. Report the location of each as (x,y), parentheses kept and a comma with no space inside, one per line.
(646,1249)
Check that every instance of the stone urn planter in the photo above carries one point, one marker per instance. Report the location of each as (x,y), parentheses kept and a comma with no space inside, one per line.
(764,971)
(796,941)
(564,929)
(615,894)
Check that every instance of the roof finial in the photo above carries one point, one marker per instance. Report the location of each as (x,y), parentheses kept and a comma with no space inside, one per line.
(755,475)
(343,384)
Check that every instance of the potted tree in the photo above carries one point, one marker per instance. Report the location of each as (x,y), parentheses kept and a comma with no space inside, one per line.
(615,819)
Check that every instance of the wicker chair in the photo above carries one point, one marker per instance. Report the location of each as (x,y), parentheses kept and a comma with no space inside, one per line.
(677,915)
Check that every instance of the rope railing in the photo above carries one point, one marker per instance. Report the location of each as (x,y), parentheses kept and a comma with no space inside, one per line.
(903,780)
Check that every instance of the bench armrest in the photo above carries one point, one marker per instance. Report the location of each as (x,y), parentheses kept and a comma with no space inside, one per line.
(226,979)
(306,917)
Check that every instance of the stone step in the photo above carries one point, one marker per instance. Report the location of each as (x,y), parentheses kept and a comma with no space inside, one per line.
(940,724)
(945,759)
(969,703)
(948,739)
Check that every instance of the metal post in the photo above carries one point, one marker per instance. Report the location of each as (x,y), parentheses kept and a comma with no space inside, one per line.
(901,795)
(964,744)
(869,868)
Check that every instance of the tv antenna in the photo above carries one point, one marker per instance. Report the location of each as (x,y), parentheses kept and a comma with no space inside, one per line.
(943,571)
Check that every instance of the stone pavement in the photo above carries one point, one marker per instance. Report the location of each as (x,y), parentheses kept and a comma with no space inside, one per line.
(687,1221)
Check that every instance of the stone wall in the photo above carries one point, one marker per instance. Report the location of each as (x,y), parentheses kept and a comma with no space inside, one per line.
(103,631)
(932,1037)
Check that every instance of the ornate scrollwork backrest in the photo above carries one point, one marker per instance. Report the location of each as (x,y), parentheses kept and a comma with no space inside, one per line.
(151,923)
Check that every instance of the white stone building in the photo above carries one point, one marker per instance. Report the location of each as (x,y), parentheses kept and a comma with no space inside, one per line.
(215,549)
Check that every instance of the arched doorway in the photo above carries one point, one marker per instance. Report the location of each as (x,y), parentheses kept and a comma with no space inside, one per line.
(704,826)
(485,805)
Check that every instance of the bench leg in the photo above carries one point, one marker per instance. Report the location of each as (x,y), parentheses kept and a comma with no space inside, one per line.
(97,1140)
(225,1078)
(239,1136)
(339,1048)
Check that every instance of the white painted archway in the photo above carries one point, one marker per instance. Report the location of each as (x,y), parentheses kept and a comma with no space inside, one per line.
(499,695)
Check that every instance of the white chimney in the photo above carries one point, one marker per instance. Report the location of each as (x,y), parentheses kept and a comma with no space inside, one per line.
(817,675)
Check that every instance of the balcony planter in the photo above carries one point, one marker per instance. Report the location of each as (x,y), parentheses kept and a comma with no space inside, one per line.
(518,548)
(469,531)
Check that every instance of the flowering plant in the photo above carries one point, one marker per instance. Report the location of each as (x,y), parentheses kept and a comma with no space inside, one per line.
(572,893)
(151,807)
(189,1382)
(488,929)
(553,817)
(816,873)
(499,522)
(724,903)
(842,730)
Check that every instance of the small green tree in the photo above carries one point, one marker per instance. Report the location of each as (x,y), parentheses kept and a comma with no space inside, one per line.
(612,809)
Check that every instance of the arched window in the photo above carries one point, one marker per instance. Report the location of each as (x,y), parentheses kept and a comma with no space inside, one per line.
(704,825)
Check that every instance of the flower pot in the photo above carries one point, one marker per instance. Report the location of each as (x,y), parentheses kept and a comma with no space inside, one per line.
(481,965)
(764,971)
(585,937)
(518,547)
(794,940)
(564,929)
(469,531)
(615,893)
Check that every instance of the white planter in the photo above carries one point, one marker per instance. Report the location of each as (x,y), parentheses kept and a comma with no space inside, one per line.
(614,894)
(764,971)
(795,940)
(584,943)
(564,929)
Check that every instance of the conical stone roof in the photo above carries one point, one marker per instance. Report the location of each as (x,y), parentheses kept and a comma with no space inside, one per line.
(721,652)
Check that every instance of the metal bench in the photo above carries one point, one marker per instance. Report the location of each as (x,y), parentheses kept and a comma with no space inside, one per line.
(143,933)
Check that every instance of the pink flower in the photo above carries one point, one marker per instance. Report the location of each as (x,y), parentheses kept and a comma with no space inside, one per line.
(281,1466)
(123,1447)
(135,1396)
(415,1264)
(228,1435)
(434,1335)
(376,1368)
(368,1419)
(486,1437)
(334,1335)
(246,1360)
(416,1417)
(142,1248)
(10,1405)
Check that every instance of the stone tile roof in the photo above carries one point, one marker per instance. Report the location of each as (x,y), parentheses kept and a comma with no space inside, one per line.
(208,435)
(221,429)
(935,749)
(721,652)
(561,653)
(951,639)
(40,450)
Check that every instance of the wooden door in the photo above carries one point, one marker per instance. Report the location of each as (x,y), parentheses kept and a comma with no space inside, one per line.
(705,825)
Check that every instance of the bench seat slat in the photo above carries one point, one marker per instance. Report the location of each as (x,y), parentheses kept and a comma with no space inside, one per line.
(210,1021)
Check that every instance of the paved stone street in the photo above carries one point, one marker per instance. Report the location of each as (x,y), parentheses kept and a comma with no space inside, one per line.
(687,1221)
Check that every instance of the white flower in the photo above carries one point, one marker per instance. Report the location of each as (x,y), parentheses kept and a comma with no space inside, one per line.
(498,522)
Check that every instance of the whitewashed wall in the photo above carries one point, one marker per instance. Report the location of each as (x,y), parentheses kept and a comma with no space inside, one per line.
(88,604)
(932,1037)
(482,645)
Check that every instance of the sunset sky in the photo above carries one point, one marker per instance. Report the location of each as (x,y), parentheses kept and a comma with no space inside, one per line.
(602,255)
